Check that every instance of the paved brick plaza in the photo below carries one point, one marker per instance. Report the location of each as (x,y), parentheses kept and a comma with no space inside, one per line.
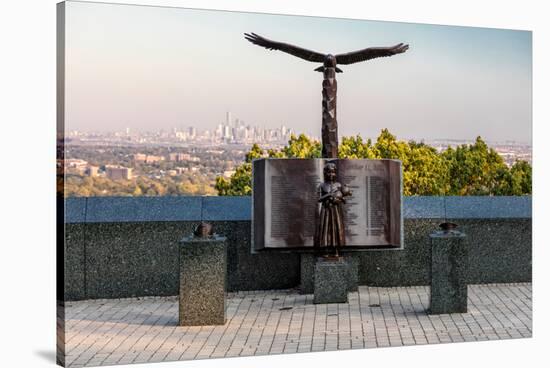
(139,330)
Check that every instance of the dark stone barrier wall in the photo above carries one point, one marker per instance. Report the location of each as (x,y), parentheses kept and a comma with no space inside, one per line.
(127,246)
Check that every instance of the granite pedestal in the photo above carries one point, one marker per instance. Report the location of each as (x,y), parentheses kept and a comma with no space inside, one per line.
(203,268)
(307,271)
(330,281)
(449,265)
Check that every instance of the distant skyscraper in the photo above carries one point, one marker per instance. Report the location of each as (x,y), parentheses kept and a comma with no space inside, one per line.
(226,131)
(228,118)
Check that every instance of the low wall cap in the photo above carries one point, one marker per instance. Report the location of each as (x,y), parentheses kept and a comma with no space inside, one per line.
(215,238)
(447,234)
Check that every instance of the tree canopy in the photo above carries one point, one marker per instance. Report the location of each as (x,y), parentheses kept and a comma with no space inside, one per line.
(469,169)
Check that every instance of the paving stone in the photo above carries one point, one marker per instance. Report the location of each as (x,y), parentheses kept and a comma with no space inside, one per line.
(117,331)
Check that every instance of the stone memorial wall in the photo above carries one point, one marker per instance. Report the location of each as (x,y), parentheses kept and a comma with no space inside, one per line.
(118,247)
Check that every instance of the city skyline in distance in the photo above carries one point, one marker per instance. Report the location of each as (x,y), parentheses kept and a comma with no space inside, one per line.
(220,132)
(180,71)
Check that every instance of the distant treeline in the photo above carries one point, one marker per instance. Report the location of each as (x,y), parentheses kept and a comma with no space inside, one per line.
(85,186)
(469,169)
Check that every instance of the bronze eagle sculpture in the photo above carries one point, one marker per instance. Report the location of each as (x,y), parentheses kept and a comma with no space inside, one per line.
(329,129)
(328,60)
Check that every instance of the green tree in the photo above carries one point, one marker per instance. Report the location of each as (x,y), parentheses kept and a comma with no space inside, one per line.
(255,152)
(517,181)
(472,169)
(238,184)
(387,146)
(522,174)
(137,191)
(354,147)
(425,172)
(302,147)
(475,170)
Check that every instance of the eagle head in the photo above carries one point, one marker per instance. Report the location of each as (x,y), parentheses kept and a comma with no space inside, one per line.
(330,61)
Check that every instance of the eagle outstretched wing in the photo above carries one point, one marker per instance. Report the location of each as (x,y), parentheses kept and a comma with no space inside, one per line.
(285,47)
(370,53)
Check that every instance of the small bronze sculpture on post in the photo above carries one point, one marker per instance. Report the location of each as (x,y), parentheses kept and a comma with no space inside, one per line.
(203,230)
(330,231)
(329,133)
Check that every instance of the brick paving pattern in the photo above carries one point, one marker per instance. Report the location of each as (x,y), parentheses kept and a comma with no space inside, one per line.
(140,330)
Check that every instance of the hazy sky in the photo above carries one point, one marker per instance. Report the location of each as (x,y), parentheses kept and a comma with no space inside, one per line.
(149,68)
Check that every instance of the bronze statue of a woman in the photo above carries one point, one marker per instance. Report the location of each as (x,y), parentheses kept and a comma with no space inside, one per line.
(330,228)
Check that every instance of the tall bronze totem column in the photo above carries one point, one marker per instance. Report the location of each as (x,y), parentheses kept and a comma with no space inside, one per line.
(329,129)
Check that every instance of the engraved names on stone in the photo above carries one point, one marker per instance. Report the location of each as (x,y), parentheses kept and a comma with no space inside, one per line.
(365,213)
(281,199)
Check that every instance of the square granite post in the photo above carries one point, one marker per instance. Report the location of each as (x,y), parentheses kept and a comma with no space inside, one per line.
(331,281)
(203,267)
(307,271)
(449,264)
